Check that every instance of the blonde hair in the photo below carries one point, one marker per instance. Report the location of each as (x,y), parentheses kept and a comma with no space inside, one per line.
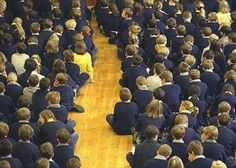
(175,162)
(154,109)
(3,6)
(223,6)
(37,59)
(52,47)
(141,80)
(18,23)
(211,132)
(70,24)
(218,164)
(11,77)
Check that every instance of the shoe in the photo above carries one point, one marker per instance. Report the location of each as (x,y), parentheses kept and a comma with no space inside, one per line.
(78,108)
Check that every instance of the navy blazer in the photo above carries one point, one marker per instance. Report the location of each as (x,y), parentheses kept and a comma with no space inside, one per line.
(143,152)
(200,162)
(125,117)
(60,112)
(14,162)
(142,98)
(183,82)
(203,87)
(227,138)
(26,152)
(172,96)
(63,153)
(180,150)
(155,162)
(14,91)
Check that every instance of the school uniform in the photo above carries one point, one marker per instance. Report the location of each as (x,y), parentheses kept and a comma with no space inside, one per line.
(32,49)
(53,164)
(228,49)
(148,12)
(7,107)
(63,153)
(170,35)
(130,75)
(157,161)
(124,117)
(14,91)
(203,87)
(212,81)
(39,102)
(172,95)
(14,162)
(80,23)
(67,95)
(49,58)
(143,152)
(18,60)
(214,27)
(145,121)
(69,34)
(190,135)
(59,111)
(142,97)
(14,128)
(200,161)
(26,152)
(183,81)
(47,131)
(8,50)
(176,43)
(192,30)
(227,138)
(214,150)
(44,36)
(179,148)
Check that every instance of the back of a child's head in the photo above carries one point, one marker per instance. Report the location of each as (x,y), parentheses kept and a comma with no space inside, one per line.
(166,76)
(206,31)
(137,59)
(61,78)
(130,50)
(224,107)
(194,74)
(35,27)
(151,132)
(23,101)
(73,163)
(23,114)
(183,67)
(11,77)
(5,147)
(171,23)
(47,24)
(2,87)
(85,30)
(165,150)
(195,147)
(59,29)
(181,119)
(187,15)
(210,132)
(212,16)
(4,164)
(46,150)
(188,39)
(181,30)
(4,129)
(159,94)
(32,40)
(30,64)
(53,97)
(159,68)
(141,81)
(20,47)
(224,119)
(125,94)
(218,164)
(207,65)
(186,48)
(178,132)
(33,80)
(68,56)
(42,163)
(232,37)
(175,162)
(25,132)
(194,90)
(190,60)
(44,83)
(80,47)
(230,75)
(63,136)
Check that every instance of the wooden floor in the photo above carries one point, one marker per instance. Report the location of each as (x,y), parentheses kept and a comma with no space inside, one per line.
(99,146)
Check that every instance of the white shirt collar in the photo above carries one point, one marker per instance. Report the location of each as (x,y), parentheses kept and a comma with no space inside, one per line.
(195,80)
(167,83)
(178,141)
(160,157)
(183,74)
(199,157)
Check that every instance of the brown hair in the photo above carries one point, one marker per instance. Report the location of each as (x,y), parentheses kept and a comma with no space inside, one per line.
(25,132)
(154,109)
(80,48)
(23,114)
(125,94)
(63,136)
(4,129)
(46,150)
(195,147)
(178,132)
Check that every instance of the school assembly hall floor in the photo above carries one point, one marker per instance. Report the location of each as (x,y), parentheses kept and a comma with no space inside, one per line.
(98,145)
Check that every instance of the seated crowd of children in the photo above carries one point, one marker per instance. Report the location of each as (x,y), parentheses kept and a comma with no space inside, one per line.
(178,59)
(46,54)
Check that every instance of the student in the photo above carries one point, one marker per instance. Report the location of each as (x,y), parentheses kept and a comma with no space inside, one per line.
(212,149)
(170,31)
(218,164)
(48,126)
(59,30)
(33,46)
(209,77)
(146,150)
(59,111)
(7,107)
(4,131)
(6,151)
(141,96)
(125,114)
(32,88)
(212,22)
(39,102)
(226,136)
(190,134)
(46,32)
(18,58)
(178,146)
(130,75)
(13,89)
(3,74)
(35,30)
(73,163)
(23,117)
(42,163)
(154,81)
(196,157)
(230,47)
(66,93)
(73,69)
(83,59)
(47,151)
(130,51)
(70,32)
(172,91)
(24,150)
(223,14)
(194,76)
(175,162)
(7,47)
(182,79)
(153,115)
(63,151)
(160,160)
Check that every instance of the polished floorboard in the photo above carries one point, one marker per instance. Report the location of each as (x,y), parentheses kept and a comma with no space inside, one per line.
(98,145)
